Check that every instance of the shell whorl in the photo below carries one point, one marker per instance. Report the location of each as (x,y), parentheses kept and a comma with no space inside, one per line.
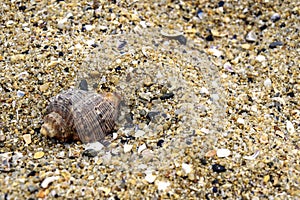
(80,115)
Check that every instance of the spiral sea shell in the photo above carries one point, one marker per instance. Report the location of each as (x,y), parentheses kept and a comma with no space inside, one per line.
(77,114)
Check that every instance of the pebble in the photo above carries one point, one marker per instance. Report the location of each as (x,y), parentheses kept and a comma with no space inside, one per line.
(268,83)
(20,93)
(162,185)
(260,58)
(127,148)
(90,153)
(150,178)
(251,36)
(27,138)
(44,87)
(187,168)
(240,121)
(218,168)
(275,17)
(38,155)
(222,153)
(142,148)
(290,127)
(275,44)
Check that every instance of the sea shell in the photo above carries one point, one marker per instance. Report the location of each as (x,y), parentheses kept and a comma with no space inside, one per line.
(77,114)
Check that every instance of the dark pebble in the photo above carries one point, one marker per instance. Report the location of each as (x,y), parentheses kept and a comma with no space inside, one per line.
(203,161)
(215,189)
(160,143)
(32,173)
(90,153)
(275,44)
(218,168)
(209,38)
(83,85)
(221,3)
(167,96)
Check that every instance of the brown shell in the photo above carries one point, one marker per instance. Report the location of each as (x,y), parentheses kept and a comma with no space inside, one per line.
(80,115)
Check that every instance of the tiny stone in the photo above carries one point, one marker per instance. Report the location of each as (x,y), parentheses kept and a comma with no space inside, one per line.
(83,85)
(221,153)
(160,143)
(251,37)
(2,137)
(142,148)
(218,168)
(38,155)
(150,178)
(260,58)
(127,148)
(90,153)
(275,17)
(161,185)
(32,188)
(27,138)
(290,127)
(268,83)
(240,121)
(20,93)
(44,87)
(275,44)
(167,96)
(187,168)
(89,27)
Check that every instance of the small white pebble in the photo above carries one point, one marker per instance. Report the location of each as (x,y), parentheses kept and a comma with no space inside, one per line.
(268,83)
(222,153)
(127,148)
(204,130)
(204,90)
(161,185)
(187,168)
(150,178)
(290,127)
(260,58)
(228,67)
(89,27)
(48,180)
(240,121)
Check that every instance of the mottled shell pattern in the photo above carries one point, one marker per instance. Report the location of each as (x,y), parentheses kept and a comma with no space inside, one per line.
(77,114)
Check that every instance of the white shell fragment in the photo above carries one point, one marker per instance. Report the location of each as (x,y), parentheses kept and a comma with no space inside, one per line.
(142,148)
(252,157)
(46,182)
(268,83)
(150,178)
(127,148)
(290,127)
(187,168)
(240,121)
(222,153)
(162,185)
